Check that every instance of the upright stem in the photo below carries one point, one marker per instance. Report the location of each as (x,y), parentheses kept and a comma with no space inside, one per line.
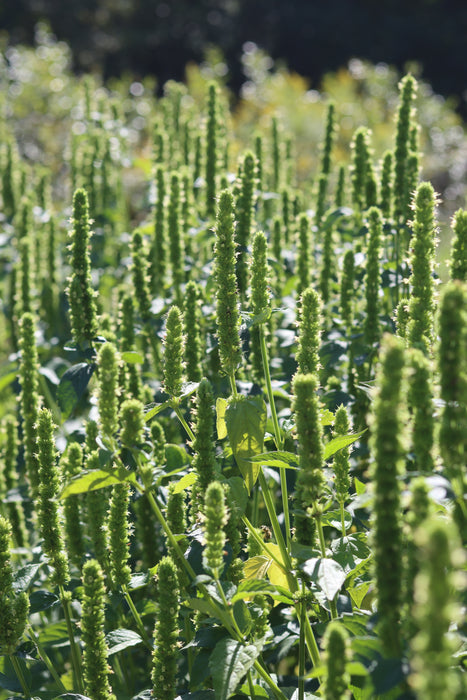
(137,617)
(19,672)
(182,420)
(332,603)
(45,658)
(75,654)
(233,386)
(301,651)
(277,431)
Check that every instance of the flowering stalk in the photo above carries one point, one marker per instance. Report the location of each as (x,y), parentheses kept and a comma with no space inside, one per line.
(373,276)
(387,446)
(244,216)
(175,236)
(309,333)
(215,514)
(420,400)
(212,128)
(81,296)
(107,362)
(164,660)
(227,316)
(71,464)
(204,457)
(10,479)
(340,187)
(303,253)
(407,88)
(347,294)
(158,248)
(29,400)
(96,668)
(341,463)
(336,656)
(192,331)
(386,185)
(173,353)
(458,267)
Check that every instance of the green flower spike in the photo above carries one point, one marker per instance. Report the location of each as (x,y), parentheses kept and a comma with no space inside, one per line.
(452,365)
(159,245)
(166,651)
(96,668)
(204,457)
(327,268)
(176,251)
(132,422)
(347,293)
(373,276)
(244,216)
(131,373)
(14,608)
(29,401)
(212,129)
(276,155)
(108,366)
(71,465)
(96,505)
(119,535)
(80,293)
(422,261)
(227,315)
(310,480)
(435,609)
(359,170)
(140,276)
(388,448)
(421,404)
(328,139)
(309,333)
(459,246)
(260,300)
(215,514)
(25,301)
(303,253)
(336,656)
(49,510)
(340,187)
(259,161)
(9,477)
(8,181)
(408,88)
(402,318)
(173,353)
(192,331)
(341,458)
(386,185)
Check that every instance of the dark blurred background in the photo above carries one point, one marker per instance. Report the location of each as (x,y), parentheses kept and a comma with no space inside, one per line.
(312,36)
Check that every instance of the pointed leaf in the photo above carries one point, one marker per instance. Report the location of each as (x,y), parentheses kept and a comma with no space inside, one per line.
(229,662)
(284,460)
(185,482)
(246,425)
(96,479)
(327,574)
(339,442)
(256,567)
(221,407)
(152,410)
(132,357)
(23,578)
(121,639)
(72,386)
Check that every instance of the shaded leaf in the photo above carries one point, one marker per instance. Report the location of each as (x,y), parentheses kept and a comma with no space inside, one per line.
(23,577)
(246,424)
(284,460)
(133,357)
(72,386)
(121,639)
(229,662)
(327,574)
(41,600)
(152,410)
(96,479)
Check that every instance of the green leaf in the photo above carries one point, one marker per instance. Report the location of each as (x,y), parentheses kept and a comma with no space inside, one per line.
(138,581)
(176,457)
(360,487)
(332,518)
(23,577)
(358,591)
(239,494)
(42,600)
(351,551)
(54,634)
(327,574)
(221,407)
(326,417)
(7,379)
(246,425)
(185,482)
(250,587)
(256,567)
(121,639)
(72,696)
(242,617)
(229,662)
(283,460)
(133,357)
(96,479)
(72,386)
(339,442)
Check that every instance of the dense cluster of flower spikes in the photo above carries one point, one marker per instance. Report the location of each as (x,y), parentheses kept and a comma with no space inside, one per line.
(198,515)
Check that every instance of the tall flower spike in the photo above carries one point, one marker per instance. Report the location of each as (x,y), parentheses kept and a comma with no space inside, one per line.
(14,608)
(360,157)
(173,353)
(119,535)
(327,268)
(227,315)
(340,187)
(9,456)
(259,299)
(81,295)
(276,154)
(373,275)
(309,333)
(204,457)
(166,651)
(303,253)
(244,216)
(336,656)
(139,273)
(96,505)
(107,362)
(458,265)
(407,88)
(71,464)
(386,185)
(176,251)
(421,403)
(96,668)
(158,249)
(211,150)
(436,608)
(49,511)
(347,294)
(310,479)
(341,458)
(388,447)
(29,401)
(192,331)
(422,261)
(215,514)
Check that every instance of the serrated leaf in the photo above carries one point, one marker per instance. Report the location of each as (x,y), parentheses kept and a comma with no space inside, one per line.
(185,482)
(283,460)
(23,577)
(133,357)
(221,407)
(256,567)
(121,639)
(72,386)
(339,442)
(96,479)
(326,417)
(228,664)
(246,425)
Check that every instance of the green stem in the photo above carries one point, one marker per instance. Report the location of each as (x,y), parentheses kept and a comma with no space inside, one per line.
(75,654)
(277,431)
(250,684)
(19,672)
(228,609)
(233,386)
(332,603)
(267,678)
(137,618)
(342,509)
(301,650)
(182,420)
(311,644)
(45,658)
